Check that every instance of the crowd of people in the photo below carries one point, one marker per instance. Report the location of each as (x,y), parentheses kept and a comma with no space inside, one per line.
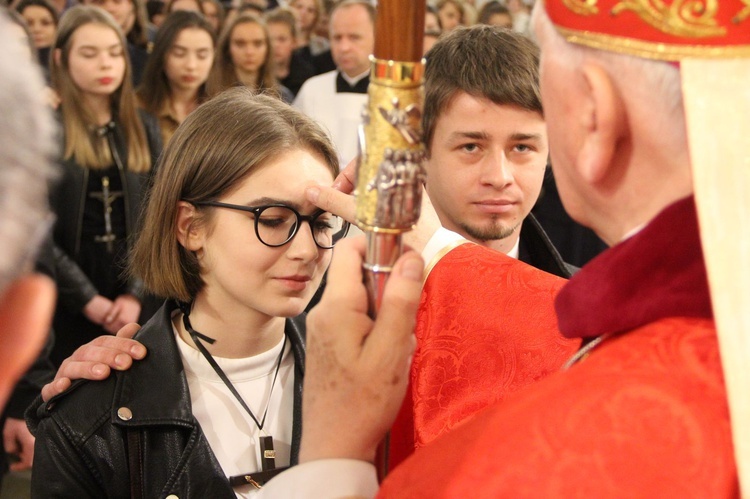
(200,183)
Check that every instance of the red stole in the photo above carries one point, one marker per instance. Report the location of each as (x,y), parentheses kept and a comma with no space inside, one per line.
(485,328)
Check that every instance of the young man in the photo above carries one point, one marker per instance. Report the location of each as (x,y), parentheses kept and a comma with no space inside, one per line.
(486,142)
(487,151)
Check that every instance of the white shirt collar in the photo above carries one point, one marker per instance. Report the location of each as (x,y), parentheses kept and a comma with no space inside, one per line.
(353,81)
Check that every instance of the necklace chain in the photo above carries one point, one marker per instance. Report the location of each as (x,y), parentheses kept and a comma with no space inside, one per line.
(198,339)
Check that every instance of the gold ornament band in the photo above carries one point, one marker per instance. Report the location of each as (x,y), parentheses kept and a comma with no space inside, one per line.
(395,73)
(652,50)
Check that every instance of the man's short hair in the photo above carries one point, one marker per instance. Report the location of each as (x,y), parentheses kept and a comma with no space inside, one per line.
(27,144)
(367,4)
(485,62)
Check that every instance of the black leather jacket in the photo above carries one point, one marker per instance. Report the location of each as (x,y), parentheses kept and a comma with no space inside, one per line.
(67,198)
(82,445)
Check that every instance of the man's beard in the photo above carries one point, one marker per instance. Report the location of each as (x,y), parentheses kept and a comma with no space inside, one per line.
(491,231)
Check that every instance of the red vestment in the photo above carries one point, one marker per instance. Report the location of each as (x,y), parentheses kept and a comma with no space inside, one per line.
(643,415)
(469,357)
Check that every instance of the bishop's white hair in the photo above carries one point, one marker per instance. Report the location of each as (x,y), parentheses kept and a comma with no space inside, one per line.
(653,85)
(27,144)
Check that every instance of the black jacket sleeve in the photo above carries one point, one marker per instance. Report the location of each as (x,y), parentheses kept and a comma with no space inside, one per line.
(74,288)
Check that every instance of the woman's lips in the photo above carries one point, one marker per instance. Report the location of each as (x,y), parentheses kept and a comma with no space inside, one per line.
(294,282)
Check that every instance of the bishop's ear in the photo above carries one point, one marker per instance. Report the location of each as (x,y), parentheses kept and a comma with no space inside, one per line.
(605,123)
(190,231)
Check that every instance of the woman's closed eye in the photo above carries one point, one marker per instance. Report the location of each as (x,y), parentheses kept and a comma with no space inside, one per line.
(272,222)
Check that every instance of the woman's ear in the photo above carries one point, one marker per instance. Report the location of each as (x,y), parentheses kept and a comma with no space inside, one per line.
(190,232)
(57,54)
(605,123)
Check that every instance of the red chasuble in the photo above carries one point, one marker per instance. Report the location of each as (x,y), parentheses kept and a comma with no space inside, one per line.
(485,328)
(643,415)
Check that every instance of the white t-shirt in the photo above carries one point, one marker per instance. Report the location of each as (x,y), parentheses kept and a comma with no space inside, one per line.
(230,431)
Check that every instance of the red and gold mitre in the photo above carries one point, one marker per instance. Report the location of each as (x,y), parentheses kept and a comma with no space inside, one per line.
(667,30)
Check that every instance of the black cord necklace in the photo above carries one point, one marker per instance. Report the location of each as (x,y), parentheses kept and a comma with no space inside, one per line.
(267,452)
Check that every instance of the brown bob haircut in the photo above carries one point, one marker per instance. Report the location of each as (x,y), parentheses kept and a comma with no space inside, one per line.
(485,62)
(218,145)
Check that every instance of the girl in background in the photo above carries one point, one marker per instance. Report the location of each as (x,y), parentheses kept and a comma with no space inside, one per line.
(108,151)
(174,82)
(244,57)
(231,240)
(177,5)
(451,14)
(41,18)
(292,69)
(132,17)
(308,13)
(215,13)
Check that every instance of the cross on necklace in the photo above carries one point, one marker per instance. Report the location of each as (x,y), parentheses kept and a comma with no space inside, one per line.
(107,198)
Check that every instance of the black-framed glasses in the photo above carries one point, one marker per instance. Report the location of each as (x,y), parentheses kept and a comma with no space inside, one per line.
(277,224)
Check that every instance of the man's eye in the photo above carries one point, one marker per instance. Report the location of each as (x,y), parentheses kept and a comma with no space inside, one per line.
(522,148)
(470,147)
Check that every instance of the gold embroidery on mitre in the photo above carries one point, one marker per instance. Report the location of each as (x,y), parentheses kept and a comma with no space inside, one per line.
(688,18)
(652,50)
(743,14)
(582,7)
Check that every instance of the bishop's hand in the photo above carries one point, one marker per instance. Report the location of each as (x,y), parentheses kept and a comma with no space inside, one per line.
(357,369)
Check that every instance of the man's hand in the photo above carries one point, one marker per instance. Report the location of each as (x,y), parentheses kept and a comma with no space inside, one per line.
(345,180)
(95,359)
(344,205)
(357,369)
(125,310)
(18,441)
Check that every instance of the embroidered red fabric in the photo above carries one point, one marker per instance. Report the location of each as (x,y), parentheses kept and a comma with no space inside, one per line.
(644,416)
(485,328)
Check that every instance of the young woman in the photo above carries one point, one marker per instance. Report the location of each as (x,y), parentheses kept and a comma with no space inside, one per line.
(495,14)
(292,70)
(230,239)
(177,5)
(155,10)
(174,82)
(244,57)
(308,13)
(20,31)
(107,152)
(41,18)
(451,13)
(215,13)
(132,17)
